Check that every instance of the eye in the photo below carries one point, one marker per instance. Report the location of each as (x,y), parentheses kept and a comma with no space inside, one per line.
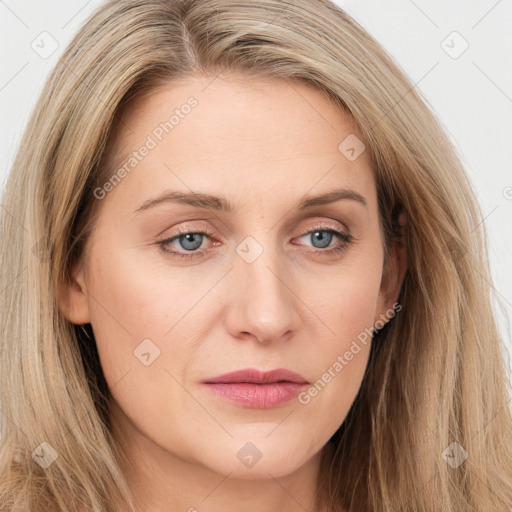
(323,235)
(188,242)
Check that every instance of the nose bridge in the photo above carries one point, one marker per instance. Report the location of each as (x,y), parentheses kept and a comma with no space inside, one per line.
(265,305)
(259,266)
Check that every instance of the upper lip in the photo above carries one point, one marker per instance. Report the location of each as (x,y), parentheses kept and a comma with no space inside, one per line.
(252,375)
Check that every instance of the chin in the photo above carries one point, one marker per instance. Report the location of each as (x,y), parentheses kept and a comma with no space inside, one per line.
(260,459)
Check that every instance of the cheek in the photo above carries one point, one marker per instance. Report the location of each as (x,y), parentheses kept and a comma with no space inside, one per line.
(346,298)
(145,341)
(128,307)
(347,306)
(148,318)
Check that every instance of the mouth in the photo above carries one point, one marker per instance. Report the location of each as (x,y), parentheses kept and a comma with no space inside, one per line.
(254,389)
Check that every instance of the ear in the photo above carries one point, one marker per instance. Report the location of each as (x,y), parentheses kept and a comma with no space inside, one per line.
(73,297)
(393,275)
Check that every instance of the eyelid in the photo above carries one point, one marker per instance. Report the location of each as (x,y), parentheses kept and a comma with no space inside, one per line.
(325,225)
(342,233)
(204,229)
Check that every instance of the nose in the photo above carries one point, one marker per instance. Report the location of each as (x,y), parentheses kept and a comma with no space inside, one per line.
(262,303)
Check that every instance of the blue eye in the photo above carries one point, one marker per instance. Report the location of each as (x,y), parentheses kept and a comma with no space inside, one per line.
(325,240)
(191,241)
(188,240)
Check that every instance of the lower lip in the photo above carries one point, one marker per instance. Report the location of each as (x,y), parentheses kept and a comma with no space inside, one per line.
(257,396)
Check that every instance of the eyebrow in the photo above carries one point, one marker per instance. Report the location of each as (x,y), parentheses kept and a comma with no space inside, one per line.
(220,203)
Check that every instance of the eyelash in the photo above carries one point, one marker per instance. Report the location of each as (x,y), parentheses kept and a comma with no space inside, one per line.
(346,238)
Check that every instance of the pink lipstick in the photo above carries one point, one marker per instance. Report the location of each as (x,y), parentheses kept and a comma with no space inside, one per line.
(255,389)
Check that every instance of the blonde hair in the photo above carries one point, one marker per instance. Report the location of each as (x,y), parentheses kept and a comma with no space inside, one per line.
(436,373)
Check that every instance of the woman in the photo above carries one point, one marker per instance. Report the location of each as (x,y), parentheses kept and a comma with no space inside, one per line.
(243,268)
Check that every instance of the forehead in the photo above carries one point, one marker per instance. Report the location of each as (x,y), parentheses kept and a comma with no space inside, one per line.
(231,108)
(221,134)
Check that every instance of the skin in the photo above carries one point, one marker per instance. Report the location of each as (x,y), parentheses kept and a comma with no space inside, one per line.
(263,146)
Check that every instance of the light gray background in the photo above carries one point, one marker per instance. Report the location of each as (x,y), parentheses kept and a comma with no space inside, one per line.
(470,91)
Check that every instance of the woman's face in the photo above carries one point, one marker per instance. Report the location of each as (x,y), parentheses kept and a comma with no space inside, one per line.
(275,281)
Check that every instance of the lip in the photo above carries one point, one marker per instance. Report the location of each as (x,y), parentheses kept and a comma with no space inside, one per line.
(255,389)
(254,376)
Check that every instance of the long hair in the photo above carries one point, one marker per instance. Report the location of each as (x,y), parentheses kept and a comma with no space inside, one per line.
(435,388)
